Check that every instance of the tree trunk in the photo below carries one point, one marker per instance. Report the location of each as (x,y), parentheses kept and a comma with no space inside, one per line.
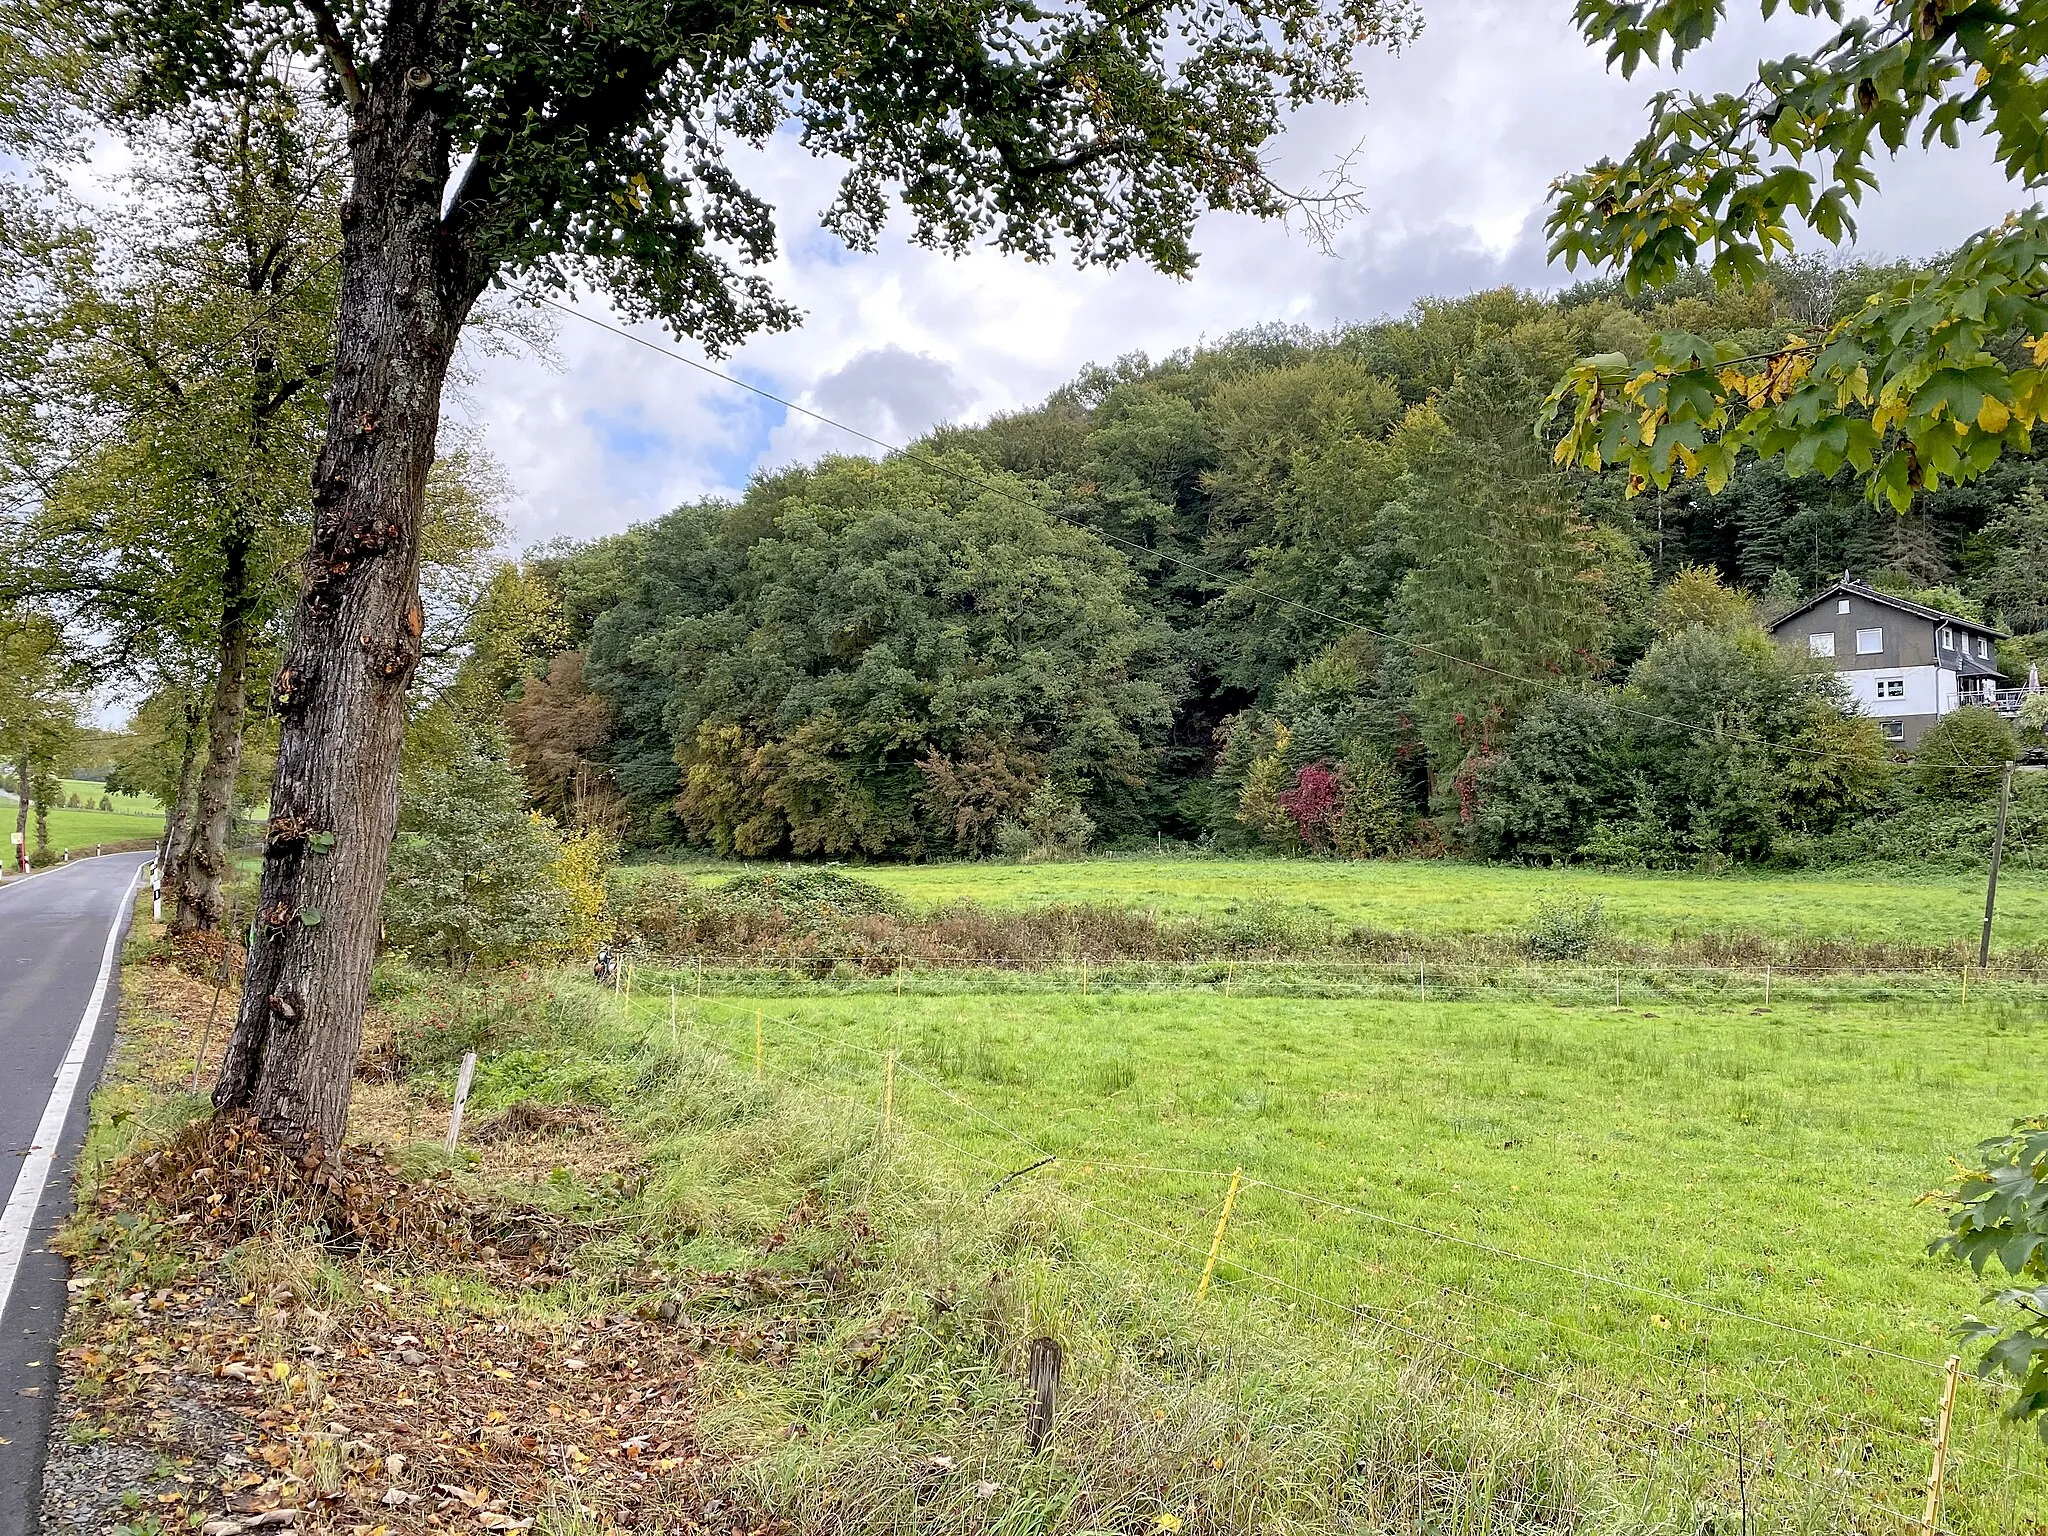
(356,630)
(20,849)
(204,868)
(178,826)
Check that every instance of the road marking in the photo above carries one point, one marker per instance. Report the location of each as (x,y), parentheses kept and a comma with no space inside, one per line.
(11,881)
(20,1214)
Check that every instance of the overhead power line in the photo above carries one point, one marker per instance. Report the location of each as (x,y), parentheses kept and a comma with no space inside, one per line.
(984,483)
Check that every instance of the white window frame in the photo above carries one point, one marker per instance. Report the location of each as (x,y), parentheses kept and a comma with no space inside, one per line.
(1948,639)
(1821,644)
(1982,653)
(1891,687)
(1894,730)
(1842,606)
(1876,645)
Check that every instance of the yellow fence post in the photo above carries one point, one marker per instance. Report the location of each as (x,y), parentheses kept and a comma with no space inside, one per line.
(1216,1247)
(1930,1521)
(757,1045)
(1966,983)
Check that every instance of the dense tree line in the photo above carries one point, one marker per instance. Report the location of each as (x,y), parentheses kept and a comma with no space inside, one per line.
(1298,590)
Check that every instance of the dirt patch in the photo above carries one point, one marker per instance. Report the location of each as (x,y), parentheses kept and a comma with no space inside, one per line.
(262,1342)
(245,1413)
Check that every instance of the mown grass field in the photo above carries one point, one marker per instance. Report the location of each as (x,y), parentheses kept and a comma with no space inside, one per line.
(128,805)
(1762,1162)
(1437,896)
(137,819)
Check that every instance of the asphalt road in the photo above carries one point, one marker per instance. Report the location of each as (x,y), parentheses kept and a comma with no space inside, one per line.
(58,939)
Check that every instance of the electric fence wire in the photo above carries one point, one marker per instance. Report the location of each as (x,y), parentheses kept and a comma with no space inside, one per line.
(1434,1234)
(1375,1317)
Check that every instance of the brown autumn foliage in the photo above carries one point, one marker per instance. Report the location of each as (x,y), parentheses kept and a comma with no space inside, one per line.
(556,728)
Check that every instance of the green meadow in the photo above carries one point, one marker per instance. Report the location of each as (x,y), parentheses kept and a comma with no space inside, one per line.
(135,819)
(1677,1216)
(1439,896)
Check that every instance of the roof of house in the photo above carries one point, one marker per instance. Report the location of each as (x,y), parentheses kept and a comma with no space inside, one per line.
(1848,588)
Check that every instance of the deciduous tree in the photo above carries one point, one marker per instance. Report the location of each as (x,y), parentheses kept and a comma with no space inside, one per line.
(497,142)
(1935,377)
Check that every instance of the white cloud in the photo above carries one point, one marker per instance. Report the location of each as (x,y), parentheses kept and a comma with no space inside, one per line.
(1456,152)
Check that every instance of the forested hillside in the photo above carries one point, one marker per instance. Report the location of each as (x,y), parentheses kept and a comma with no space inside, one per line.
(1296,590)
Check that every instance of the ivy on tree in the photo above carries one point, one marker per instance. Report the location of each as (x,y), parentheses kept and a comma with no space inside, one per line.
(564,147)
(1930,380)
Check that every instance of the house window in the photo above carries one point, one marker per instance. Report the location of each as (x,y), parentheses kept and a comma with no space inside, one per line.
(1820,645)
(1894,730)
(1842,606)
(1891,687)
(1980,647)
(1869,642)
(1948,640)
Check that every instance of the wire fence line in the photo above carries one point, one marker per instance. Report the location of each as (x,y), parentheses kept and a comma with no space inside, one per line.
(1620,982)
(1854,1438)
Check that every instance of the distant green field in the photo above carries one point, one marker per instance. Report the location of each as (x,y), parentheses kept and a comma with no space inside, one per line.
(132,805)
(1435,896)
(81,831)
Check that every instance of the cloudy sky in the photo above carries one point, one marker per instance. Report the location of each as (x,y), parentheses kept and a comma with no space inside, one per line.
(1457,146)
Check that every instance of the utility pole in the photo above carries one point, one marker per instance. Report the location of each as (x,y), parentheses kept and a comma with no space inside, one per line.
(1997,854)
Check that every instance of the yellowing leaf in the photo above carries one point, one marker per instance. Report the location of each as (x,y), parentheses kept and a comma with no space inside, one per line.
(1992,416)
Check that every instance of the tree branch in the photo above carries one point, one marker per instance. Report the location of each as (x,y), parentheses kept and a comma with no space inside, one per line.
(328,30)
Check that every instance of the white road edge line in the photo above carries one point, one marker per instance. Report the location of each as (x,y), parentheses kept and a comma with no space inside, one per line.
(11,881)
(34,1177)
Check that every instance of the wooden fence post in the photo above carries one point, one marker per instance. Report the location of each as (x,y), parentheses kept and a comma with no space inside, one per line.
(1930,1521)
(1043,1378)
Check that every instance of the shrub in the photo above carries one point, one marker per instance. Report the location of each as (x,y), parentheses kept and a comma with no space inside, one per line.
(1049,825)
(1565,930)
(1372,821)
(471,867)
(1313,804)
(2033,719)
(579,870)
(1258,799)
(1959,758)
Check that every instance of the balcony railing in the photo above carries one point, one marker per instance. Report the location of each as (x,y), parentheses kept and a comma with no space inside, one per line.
(2007,701)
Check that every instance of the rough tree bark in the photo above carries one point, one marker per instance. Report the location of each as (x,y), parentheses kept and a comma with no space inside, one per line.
(405,293)
(177,827)
(21,786)
(204,865)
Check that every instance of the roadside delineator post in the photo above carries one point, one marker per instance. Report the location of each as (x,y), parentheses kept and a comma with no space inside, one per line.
(1930,1520)
(462,1082)
(1216,1247)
